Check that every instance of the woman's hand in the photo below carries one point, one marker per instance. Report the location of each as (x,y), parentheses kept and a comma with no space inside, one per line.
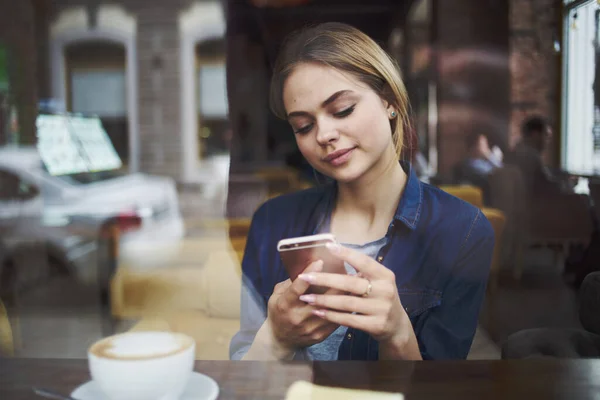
(292,321)
(372,303)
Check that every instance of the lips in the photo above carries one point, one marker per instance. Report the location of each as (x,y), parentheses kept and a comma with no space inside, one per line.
(339,156)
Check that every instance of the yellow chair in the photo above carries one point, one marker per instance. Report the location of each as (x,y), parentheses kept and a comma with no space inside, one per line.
(238,244)
(239,227)
(302,184)
(281,174)
(468,193)
(498,221)
(474,195)
(203,303)
(235,226)
(240,256)
(6,335)
(279,180)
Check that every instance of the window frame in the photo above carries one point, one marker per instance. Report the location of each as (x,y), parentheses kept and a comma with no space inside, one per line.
(567,7)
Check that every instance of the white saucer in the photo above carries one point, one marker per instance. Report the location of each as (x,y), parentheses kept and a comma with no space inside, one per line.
(199,387)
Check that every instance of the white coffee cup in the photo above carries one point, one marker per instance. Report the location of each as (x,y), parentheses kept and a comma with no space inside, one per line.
(142,365)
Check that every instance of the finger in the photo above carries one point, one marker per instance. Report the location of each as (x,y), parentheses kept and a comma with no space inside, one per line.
(322,331)
(350,304)
(315,266)
(300,315)
(361,262)
(362,322)
(346,283)
(282,286)
(334,291)
(315,323)
(299,286)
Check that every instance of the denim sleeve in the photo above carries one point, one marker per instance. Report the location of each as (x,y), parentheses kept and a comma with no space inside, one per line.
(253,309)
(448,331)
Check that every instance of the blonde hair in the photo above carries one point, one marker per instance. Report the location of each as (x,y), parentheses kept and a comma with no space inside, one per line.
(346,49)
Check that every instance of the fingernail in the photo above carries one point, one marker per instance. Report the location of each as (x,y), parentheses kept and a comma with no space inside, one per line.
(309,298)
(333,247)
(307,277)
(319,313)
(318,266)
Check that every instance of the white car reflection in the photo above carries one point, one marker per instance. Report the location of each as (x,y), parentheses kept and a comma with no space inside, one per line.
(59,217)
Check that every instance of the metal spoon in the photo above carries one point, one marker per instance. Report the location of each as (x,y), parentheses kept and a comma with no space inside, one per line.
(50,394)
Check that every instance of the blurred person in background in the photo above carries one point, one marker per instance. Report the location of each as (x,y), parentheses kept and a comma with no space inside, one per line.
(417,259)
(553,204)
(536,133)
(481,161)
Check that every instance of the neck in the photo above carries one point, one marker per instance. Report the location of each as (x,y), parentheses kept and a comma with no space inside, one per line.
(375,195)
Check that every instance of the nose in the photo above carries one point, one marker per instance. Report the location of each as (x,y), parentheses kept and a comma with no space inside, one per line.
(327,133)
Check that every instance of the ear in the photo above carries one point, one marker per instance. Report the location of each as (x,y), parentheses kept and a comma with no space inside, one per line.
(390,110)
(387,101)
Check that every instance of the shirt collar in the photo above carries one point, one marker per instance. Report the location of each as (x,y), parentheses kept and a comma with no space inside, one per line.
(409,208)
(407,212)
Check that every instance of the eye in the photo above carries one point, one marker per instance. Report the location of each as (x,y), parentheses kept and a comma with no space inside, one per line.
(304,129)
(344,113)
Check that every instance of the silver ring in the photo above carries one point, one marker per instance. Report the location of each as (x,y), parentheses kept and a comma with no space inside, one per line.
(368,291)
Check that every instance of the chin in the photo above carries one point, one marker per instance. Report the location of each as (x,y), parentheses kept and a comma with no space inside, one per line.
(346,174)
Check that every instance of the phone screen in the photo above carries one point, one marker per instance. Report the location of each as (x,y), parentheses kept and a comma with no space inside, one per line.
(297,257)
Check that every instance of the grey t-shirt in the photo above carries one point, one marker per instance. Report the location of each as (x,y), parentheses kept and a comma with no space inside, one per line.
(327,350)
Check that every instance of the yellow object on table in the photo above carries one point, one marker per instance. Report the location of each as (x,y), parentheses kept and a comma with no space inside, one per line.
(301,390)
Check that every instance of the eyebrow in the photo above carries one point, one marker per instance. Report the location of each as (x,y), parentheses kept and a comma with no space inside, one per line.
(329,100)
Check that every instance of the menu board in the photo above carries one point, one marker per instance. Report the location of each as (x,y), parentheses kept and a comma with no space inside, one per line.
(74,144)
(57,147)
(95,144)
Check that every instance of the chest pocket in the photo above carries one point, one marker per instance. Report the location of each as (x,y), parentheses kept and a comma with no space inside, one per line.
(417,301)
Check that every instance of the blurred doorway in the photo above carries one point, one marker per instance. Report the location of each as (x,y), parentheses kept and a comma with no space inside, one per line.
(96,85)
(93,59)
(213,120)
(203,89)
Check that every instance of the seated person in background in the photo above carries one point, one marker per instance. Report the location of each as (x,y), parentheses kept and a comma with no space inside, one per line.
(556,209)
(481,161)
(421,165)
(417,259)
(527,155)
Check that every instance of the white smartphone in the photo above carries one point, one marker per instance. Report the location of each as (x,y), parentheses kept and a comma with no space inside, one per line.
(299,252)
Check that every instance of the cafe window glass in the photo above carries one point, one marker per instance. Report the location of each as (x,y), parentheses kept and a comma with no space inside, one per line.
(581,90)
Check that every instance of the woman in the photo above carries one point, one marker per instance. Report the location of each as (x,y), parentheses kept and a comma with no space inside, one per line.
(418,258)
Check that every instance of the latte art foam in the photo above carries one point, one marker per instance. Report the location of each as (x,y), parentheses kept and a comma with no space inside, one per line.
(141,345)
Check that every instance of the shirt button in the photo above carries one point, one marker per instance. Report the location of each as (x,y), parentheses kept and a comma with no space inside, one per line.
(380,259)
(349,336)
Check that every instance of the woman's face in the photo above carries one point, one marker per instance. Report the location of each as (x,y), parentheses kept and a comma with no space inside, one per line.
(342,127)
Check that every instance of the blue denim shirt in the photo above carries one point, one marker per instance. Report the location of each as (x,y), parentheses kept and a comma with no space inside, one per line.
(439,248)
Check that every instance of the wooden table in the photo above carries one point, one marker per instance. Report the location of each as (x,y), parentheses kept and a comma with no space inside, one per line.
(532,379)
